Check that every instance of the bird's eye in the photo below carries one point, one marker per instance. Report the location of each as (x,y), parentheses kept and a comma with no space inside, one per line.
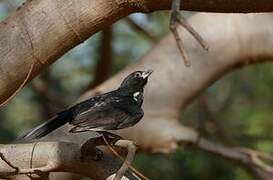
(137,74)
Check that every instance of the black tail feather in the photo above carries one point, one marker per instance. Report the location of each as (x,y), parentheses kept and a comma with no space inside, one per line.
(48,126)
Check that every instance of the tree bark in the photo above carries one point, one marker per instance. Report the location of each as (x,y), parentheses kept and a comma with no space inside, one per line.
(40,32)
(222,6)
(58,156)
(235,41)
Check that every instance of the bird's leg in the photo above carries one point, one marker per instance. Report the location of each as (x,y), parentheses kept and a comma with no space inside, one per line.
(39,175)
(89,149)
(111,138)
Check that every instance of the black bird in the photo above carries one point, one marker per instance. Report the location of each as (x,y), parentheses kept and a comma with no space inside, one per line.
(114,110)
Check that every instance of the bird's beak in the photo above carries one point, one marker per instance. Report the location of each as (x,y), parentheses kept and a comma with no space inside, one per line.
(147,73)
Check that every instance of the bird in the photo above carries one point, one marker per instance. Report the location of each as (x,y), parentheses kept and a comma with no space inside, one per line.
(117,109)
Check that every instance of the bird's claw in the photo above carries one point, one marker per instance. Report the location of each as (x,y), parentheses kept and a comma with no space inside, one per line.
(111,138)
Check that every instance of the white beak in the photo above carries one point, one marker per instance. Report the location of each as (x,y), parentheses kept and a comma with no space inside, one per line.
(147,73)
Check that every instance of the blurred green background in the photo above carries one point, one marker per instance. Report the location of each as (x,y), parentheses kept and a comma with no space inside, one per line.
(235,111)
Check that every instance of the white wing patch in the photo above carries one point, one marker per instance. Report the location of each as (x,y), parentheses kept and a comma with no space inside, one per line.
(136,94)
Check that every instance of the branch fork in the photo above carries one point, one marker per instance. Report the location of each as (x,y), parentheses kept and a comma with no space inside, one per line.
(177,19)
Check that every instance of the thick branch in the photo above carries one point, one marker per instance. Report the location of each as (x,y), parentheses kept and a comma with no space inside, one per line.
(224,6)
(35,160)
(42,31)
(159,130)
(57,156)
(234,40)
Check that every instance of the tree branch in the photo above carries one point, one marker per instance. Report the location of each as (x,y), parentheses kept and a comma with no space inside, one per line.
(67,23)
(231,48)
(159,130)
(224,6)
(249,159)
(34,160)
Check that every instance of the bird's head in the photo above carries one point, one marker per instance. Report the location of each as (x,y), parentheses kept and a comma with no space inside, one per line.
(136,81)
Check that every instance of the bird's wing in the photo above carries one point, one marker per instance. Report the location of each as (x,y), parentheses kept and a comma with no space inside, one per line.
(108,114)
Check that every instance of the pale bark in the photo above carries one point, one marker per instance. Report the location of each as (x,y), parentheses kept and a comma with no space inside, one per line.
(235,40)
(54,157)
(40,32)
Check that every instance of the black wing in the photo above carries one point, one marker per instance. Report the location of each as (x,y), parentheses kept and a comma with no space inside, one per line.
(108,114)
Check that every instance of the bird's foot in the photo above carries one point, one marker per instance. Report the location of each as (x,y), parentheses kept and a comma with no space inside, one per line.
(89,148)
(111,138)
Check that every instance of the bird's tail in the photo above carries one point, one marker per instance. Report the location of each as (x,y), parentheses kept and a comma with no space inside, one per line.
(48,126)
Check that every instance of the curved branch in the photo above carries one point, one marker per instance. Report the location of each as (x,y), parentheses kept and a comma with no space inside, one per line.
(34,160)
(235,41)
(67,23)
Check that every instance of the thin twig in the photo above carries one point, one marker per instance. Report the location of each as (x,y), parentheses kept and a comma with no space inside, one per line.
(179,44)
(183,22)
(173,28)
(247,157)
(177,18)
(255,158)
